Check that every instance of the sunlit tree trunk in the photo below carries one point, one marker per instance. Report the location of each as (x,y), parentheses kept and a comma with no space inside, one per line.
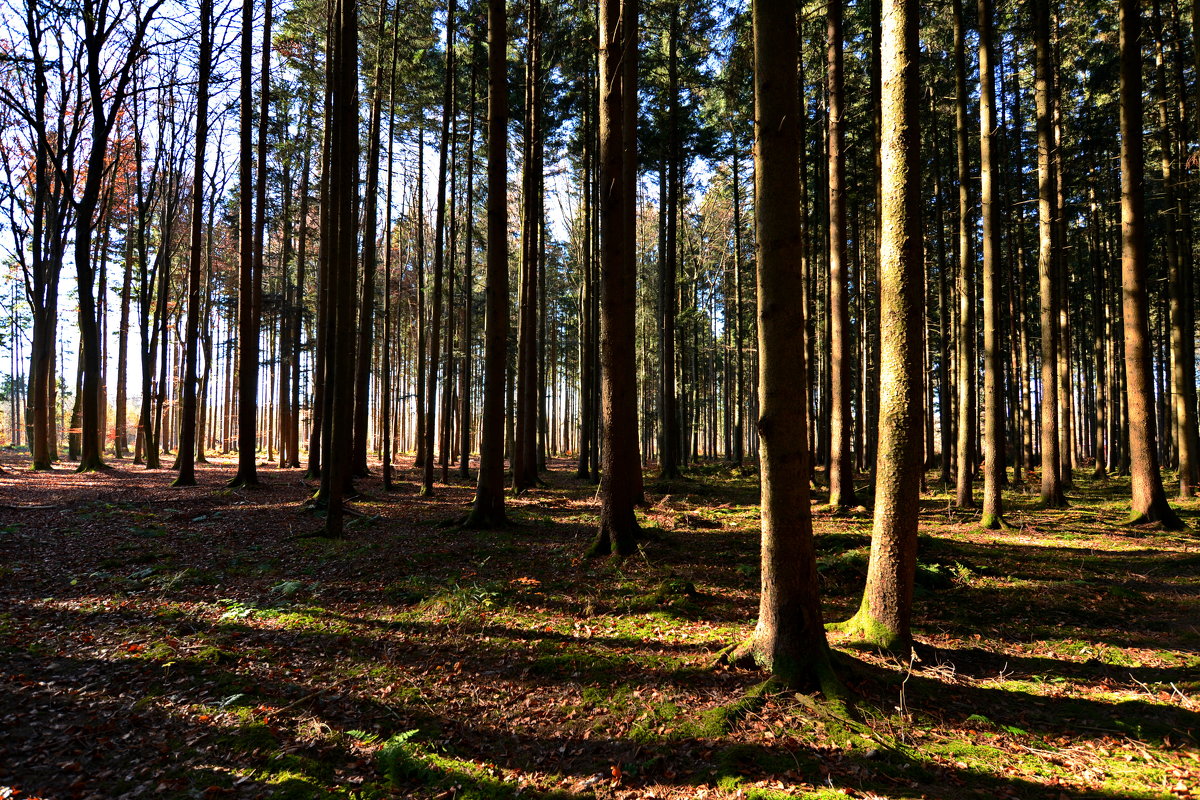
(993,375)
(883,618)
(1149,500)
(1052,487)
(841,465)
(967,405)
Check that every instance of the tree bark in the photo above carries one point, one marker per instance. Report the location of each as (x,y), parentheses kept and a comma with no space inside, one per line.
(439,257)
(1149,499)
(967,405)
(789,639)
(487,510)
(191,343)
(884,617)
(1052,487)
(252,225)
(620,474)
(370,260)
(993,375)
(841,348)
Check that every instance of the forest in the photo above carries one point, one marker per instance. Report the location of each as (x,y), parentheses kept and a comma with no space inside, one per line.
(600,399)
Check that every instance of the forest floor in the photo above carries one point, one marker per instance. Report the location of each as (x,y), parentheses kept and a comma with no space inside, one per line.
(195,643)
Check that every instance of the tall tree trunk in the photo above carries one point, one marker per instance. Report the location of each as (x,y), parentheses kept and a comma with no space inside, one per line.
(439,256)
(620,475)
(121,423)
(1179,294)
(422,316)
(739,424)
(967,405)
(524,456)
(945,325)
(841,466)
(883,618)
(370,258)
(630,13)
(385,409)
(586,329)
(1149,499)
(487,510)
(993,375)
(464,448)
(789,639)
(252,229)
(1052,487)
(340,364)
(669,459)
(191,343)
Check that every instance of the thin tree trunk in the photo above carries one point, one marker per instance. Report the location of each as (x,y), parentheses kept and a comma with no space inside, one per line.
(253,224)
(993,375)
(487,510)
(841,347)
(439,256)
(370,259)
(967,406)
(187,431)
(1052,487)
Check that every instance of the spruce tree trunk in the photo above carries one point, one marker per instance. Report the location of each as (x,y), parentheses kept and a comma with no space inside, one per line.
(1178,295)
(343,241)
(1052,486)
(630,14)
(252,223)
(586,331)
(841,345)
(739,424)
(669,408)
(884,616)
(620,474)
(1149,501)
(789,639)
(945,394)
(121,423)
(370,260)
(967,406)
(191,342)
(524,456)
(439,257)
(993,376)
(487,510)
(422,316)
(464,448)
